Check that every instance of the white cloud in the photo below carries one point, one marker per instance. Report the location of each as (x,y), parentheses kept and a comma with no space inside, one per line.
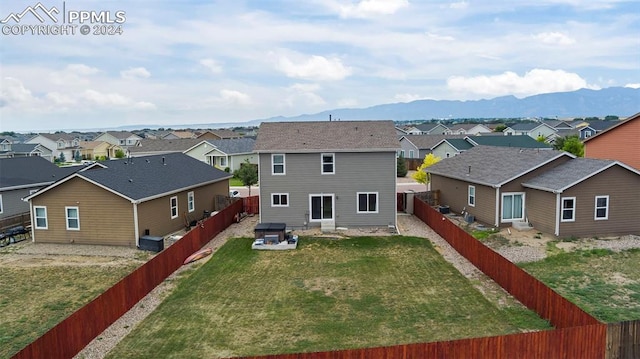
(305,87)
(61,99)
(136,72)
(633,86)
(407,97)
(234,97)
(74,74)
(533,82)
(554,38)
(461,5)
(316,67)
(114,100)
(304,95)
(212,65)
(369,8)
(13,92)
(440,37)
(81,69)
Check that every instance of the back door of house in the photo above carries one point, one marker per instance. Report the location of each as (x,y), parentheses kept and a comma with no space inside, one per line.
(321,206)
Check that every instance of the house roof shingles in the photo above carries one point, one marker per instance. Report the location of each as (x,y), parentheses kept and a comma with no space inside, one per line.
(357,136)
(24,171)
(163,145)
(424,142)
(233,146)
(568,174)
(509,141)
(143,178)
(492,165)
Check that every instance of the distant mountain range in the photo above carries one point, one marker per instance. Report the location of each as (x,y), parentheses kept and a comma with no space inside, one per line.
(616,101)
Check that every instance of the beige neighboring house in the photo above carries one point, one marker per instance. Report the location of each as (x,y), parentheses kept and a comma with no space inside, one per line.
(147,147)
(91,150)
(116,202)
(219,134)
(58,143)
(178,134)
(121,138)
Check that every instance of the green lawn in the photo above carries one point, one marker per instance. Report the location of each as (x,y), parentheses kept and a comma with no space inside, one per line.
(603,283)
(35,299)
(326,295)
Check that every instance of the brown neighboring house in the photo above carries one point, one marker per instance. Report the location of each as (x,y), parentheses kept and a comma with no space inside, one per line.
(116,202)
(219,134)
(552,191)
(619,142)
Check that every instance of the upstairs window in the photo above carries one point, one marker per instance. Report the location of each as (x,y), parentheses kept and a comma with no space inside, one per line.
(328,163)
(278,164)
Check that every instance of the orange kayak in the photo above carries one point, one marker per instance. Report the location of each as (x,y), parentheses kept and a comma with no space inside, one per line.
(198,255)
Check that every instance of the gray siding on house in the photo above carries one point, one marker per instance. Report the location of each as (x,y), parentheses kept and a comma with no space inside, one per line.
(12,202)
(354,172)
(621,186)
(407,147)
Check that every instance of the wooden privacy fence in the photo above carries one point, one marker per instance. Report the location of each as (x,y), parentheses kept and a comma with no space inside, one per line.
(527,289)
(623,340)
(76,331)
(251,204)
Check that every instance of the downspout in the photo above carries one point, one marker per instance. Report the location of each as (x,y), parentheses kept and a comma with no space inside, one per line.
(497,214)
(136,227)
(557,215)
(33,225)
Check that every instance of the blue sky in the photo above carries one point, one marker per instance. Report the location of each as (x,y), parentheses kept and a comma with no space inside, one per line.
(190,62)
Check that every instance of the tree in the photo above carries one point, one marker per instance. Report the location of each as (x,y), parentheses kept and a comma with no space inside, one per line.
(500,128)
(62,158)
(119,154)
(573,145)
(611,118)
(541,139)
(420,175)
(248,174)
(401,167)
(77,156)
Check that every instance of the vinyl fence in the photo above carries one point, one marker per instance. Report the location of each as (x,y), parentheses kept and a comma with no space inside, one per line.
(72,334)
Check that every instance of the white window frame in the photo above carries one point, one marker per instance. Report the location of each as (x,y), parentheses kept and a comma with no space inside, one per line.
(402,153)
(509,220)
(596,208)
(191,202)
(587,133)
(367,211)
(471,197)
(572,209)
(223,161)
(67,217)
(411,153)
(333,163)
(35,216)
(322,196)
(2,204)
(172,207)
(279,196)
(283,164)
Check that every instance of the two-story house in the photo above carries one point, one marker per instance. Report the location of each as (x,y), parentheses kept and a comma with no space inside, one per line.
(328,174)
(60,144)
(124,139)
(534,130)
(228,153)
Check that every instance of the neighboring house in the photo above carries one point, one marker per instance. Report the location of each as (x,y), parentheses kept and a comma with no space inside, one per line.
(58,143)
(452,147)
(91,150)
(124,139)
(31,149)
(407,130)
(418,146)
(486,181)
(432,128)
(585,197)
(531,129)
(219,134)
(116,202)
(558,125)
(22,176)
(328,174)
(553,191)
(148,147)
(227,153)
(595,127)
(619,142)
(178,134)
(468,129)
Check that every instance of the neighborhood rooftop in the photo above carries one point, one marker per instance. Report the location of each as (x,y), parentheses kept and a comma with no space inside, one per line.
(327,135)
(568,174)
(140,178)
(234,145)
(493,166)
(508,141)
(23,171)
